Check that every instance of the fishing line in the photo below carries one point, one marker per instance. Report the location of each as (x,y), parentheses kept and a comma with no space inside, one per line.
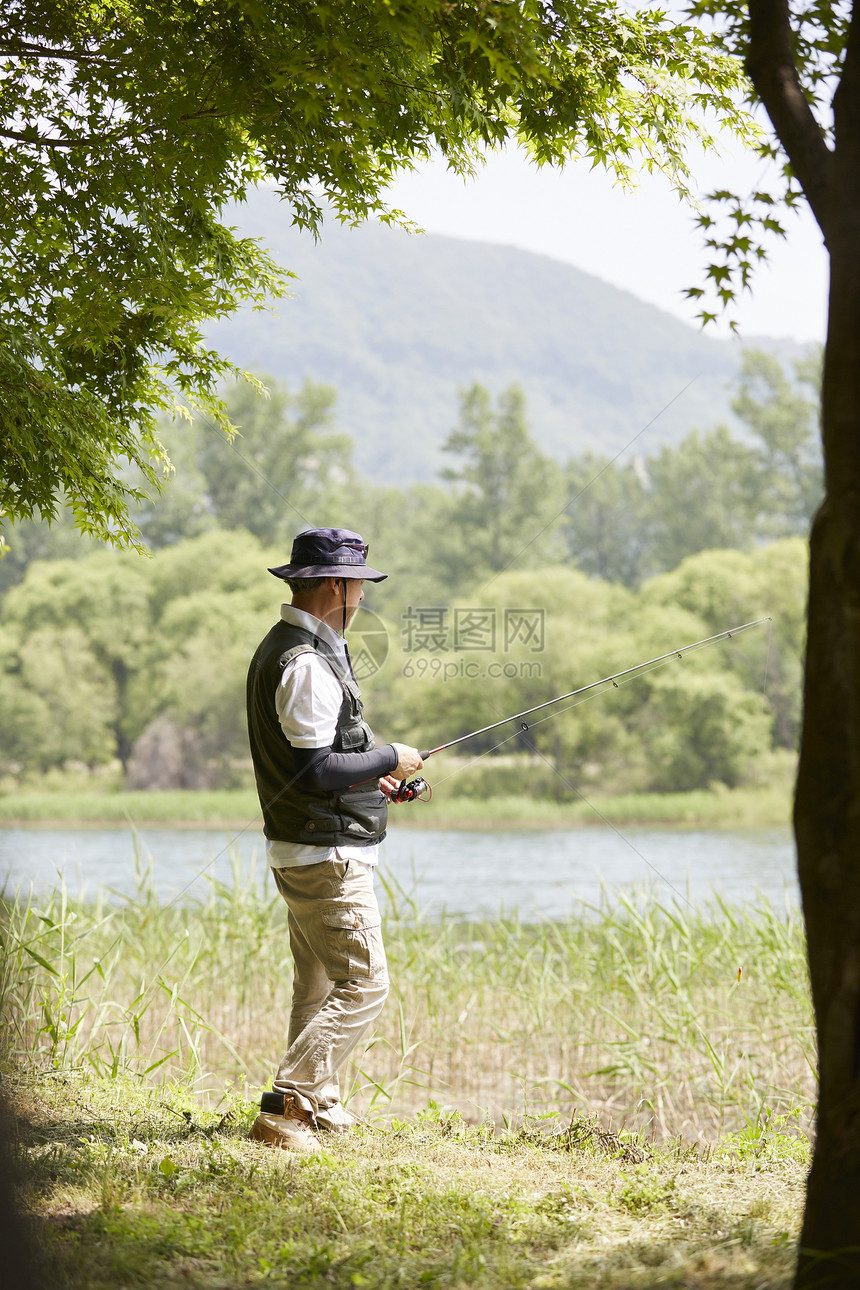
(632,674)
(591,481)
(413,790)
(549,717)
(646,671)
(410,791)
(236,836)
(613,679)
(767,659)
(572,787)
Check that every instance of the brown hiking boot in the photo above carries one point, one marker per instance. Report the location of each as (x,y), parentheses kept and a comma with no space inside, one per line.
(292,1131)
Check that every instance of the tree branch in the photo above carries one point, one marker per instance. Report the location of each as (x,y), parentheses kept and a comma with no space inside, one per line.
(846,100)
(27,49)
(771,67)
(43,141)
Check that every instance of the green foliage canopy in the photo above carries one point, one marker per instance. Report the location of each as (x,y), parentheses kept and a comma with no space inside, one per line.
(95,649)
(794,55)
(126,129)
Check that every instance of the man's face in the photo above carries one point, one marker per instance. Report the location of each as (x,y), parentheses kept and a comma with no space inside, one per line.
(354,596)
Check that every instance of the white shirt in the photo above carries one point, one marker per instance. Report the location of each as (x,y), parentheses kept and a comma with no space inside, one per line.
(308,702)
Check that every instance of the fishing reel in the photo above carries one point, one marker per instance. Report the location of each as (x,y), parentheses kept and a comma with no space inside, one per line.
(412,790)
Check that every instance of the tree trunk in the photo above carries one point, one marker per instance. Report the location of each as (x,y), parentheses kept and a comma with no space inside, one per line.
(827,804)
(123,743)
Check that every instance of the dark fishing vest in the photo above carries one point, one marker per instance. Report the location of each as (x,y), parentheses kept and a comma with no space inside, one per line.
(291,811)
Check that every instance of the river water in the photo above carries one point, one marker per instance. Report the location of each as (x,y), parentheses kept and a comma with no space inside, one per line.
(537,874)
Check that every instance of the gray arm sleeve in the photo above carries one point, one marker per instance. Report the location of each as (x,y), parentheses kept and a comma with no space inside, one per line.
(324,771)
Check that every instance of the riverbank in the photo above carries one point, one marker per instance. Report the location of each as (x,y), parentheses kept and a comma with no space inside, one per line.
(652,1014)
(609,1102)
(234,810)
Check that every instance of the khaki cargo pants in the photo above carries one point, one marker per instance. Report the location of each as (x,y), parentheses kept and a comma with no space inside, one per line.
(340,978)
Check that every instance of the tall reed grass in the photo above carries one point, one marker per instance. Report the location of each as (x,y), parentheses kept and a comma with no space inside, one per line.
(632,1012)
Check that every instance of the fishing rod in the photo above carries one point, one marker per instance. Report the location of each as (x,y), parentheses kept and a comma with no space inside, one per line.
(414,789)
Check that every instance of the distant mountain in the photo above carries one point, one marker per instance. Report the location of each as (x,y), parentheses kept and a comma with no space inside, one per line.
(398,322)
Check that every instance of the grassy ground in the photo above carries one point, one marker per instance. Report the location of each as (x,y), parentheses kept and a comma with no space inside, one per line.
(131,1187)
(737,808)
(598,1102)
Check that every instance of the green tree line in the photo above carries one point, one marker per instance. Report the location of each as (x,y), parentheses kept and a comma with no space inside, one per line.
(109,657)
(113,658)
(629,520)
(501,502)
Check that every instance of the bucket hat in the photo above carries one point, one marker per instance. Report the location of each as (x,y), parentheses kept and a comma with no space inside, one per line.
(328,553)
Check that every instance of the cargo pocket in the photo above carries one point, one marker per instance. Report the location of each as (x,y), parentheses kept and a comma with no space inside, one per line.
(353,941)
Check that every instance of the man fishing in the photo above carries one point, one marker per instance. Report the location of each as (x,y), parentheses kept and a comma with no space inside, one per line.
(324,789)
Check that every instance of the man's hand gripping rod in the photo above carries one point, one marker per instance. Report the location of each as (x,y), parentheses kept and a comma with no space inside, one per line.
(408,792)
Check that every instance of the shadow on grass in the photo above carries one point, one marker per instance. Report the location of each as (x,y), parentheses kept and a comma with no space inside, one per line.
(103,1250)
(152,1196)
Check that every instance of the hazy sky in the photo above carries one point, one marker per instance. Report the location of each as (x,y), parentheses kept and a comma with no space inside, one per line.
(645,242)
